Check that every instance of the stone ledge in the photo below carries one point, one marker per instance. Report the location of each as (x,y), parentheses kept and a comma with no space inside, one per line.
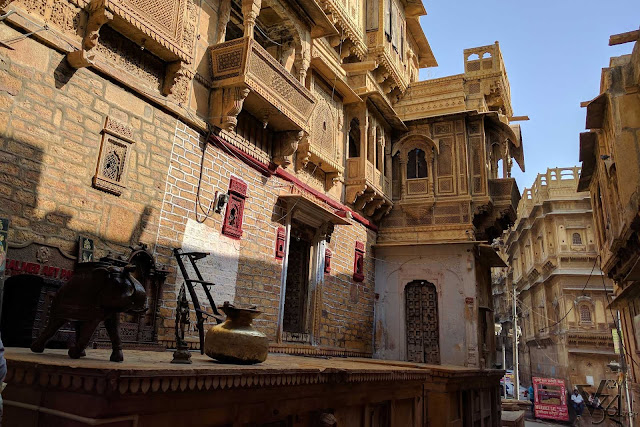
(144,372)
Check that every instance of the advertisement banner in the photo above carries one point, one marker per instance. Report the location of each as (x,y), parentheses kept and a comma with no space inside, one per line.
(550,399)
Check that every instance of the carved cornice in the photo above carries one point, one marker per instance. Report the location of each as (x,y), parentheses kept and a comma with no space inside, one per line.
(90,378)
(349,29)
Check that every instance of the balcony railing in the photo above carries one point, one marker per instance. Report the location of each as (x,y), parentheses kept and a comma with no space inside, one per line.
(276,96)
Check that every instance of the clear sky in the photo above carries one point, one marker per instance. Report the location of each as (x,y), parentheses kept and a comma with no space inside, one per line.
(553,51)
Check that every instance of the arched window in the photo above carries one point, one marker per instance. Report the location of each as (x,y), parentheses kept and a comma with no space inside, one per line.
(585,314)
(577,239)
(416,164)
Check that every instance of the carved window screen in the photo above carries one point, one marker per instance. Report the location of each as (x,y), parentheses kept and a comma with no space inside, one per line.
(233,217)
(577,239)
(159,25)
(280,239)
(114,153)
(358,263)
(585,314)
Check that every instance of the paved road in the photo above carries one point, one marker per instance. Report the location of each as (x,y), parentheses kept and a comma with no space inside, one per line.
(528,423)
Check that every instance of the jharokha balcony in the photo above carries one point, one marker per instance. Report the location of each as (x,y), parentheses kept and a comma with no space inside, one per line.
(247,77)
(496,216)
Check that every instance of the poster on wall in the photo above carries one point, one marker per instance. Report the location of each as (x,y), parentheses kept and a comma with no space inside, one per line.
(550,399)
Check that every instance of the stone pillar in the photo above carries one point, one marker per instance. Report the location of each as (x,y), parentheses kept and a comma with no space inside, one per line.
(224,12)
(403,175)
(250,11)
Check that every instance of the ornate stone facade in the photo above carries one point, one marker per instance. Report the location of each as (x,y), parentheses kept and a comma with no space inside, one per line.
(561,298)
(127,121)
(610,173)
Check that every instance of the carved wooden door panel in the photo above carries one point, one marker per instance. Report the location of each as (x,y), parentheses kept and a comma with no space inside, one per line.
(421,311)
(297,285)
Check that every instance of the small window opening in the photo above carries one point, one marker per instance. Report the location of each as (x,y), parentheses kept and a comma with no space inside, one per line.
(416,164)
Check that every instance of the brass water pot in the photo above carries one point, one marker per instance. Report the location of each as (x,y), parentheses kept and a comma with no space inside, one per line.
(236,340)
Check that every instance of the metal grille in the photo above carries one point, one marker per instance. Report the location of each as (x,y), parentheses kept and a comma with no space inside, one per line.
(423,338)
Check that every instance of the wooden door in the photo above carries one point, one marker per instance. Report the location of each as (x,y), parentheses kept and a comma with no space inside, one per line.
(421,311)
(295,299)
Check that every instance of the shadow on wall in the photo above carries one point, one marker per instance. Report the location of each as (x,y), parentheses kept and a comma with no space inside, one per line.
(345,314)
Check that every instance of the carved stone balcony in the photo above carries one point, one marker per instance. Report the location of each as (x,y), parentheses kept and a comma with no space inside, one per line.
(495,216)
(246,76)
(367,188)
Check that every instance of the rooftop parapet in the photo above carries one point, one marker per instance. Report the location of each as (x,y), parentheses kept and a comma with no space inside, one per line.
(555,183)
(483,87)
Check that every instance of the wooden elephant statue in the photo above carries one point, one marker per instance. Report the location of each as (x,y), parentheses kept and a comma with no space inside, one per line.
(97,292)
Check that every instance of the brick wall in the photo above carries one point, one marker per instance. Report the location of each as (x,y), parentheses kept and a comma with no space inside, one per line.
(51,118)
(346,308)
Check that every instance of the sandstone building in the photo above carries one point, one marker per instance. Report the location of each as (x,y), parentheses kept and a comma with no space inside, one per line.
(125,122)
(610,172)
(562,303)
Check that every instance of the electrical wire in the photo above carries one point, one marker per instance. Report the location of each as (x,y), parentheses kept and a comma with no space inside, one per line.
(583,288)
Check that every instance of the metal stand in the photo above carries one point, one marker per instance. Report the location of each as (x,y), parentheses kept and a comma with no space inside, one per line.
(200,314)
(182,355)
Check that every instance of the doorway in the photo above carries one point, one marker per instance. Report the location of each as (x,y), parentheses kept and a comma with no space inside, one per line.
(295,321)
(422,326)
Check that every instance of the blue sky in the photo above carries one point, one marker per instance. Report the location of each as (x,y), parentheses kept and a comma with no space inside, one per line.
(554,52)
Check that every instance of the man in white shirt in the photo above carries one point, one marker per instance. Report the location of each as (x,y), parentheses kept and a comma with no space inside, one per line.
(577,402)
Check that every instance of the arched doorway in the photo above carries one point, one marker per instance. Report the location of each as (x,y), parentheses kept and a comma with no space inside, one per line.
(422,328)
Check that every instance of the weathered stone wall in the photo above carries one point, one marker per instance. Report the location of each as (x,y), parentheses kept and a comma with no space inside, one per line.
(51,119)
(451,268)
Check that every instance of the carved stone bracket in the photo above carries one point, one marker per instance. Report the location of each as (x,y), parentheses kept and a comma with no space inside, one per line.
(98,16)
(374,205)
(285,147)
(355,191)
(226,104)
(363,200)
(384,211)
(333,178)
(173,72)
(304,153)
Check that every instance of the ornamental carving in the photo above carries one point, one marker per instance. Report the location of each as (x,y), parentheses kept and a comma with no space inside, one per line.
(244,63)
(423,338)
(98,16)
(114,154)
(286,145)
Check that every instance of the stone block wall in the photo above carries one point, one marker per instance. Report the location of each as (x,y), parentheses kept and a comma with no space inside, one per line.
(51,122)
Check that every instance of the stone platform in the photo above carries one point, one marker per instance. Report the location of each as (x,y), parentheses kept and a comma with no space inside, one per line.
(146,389)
